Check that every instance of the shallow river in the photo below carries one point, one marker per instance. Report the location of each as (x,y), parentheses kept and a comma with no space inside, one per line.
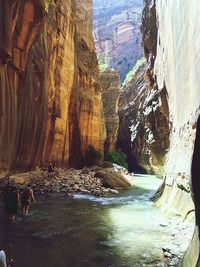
(86,231)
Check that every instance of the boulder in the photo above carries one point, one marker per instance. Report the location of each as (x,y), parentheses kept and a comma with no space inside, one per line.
(100,174)
(17,180)
(106,164)
(113,179)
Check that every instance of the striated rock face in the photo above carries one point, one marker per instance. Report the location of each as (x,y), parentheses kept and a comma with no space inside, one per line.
(20,23)
(110,85)
(51,107)
(117,33)
(144,132)
(177,69)
(177,65)
(144,114)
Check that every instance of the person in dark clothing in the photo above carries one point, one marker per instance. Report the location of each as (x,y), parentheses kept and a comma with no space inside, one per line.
(26,197)
(12,203)
(6,191)
(51,167)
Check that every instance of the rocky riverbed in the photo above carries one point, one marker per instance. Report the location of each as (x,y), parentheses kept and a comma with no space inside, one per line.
(181,235)
(170,236)
(98,180)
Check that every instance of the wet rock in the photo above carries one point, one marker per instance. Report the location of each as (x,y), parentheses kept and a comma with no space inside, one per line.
(113,191)
(100,174)
(106,164)
(167,254)
(114,179)
(70,181)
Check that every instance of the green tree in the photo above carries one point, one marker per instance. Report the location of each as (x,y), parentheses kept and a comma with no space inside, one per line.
(117,157)
(132,72)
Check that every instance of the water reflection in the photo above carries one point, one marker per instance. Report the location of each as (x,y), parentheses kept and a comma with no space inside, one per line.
(87,231)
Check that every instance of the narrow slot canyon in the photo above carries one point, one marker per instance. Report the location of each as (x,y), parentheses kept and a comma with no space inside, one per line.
(99,133)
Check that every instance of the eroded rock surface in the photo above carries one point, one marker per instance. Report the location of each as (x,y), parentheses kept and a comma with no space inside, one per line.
(110,86)
(176,68)
(117,33)
(144,129)
(144,114)
(50,104)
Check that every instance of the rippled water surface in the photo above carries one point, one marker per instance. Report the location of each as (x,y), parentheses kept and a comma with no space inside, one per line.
(123,230)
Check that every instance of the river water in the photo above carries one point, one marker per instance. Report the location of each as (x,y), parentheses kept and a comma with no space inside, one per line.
(122,230)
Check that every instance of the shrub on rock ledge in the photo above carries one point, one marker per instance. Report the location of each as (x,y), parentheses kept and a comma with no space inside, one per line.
(117,157)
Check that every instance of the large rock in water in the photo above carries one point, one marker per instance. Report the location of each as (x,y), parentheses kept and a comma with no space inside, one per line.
(117,33)
(113,179)
(50,99)
(109,80)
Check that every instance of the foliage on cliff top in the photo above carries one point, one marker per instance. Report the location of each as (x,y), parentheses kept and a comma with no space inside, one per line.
(117,157)
(102,65)
(132,72)
(47,2)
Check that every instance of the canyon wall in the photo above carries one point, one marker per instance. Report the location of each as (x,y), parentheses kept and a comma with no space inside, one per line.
(176,68)
(50,98)
(117,33)
(110,86)
(143,109)
(144,129)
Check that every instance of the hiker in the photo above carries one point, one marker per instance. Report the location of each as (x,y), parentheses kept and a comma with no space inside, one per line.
(12,202)
(3,262)
(6,191)
(51,167)
(26,197)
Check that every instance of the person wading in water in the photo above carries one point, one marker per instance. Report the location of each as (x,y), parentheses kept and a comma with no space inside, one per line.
(13,202)
(26,197)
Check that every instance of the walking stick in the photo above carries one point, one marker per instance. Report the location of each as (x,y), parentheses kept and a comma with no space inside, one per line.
(11,252)
(11,261)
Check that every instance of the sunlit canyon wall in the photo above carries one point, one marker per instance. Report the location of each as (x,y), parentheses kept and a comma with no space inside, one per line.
(50,97)
(176,68)
(117,33)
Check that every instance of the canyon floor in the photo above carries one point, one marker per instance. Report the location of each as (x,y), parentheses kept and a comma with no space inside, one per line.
(83,223)
(97,180)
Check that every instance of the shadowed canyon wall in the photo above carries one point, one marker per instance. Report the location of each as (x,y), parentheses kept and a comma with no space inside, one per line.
(110,85)
(171,45)
(50,97)
(144,114)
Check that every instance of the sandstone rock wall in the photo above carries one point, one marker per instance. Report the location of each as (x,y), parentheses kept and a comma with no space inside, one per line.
(177,67)
(110,85)
(144,131)
(20,22)
(117,33)
(51,107)
(144,114)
